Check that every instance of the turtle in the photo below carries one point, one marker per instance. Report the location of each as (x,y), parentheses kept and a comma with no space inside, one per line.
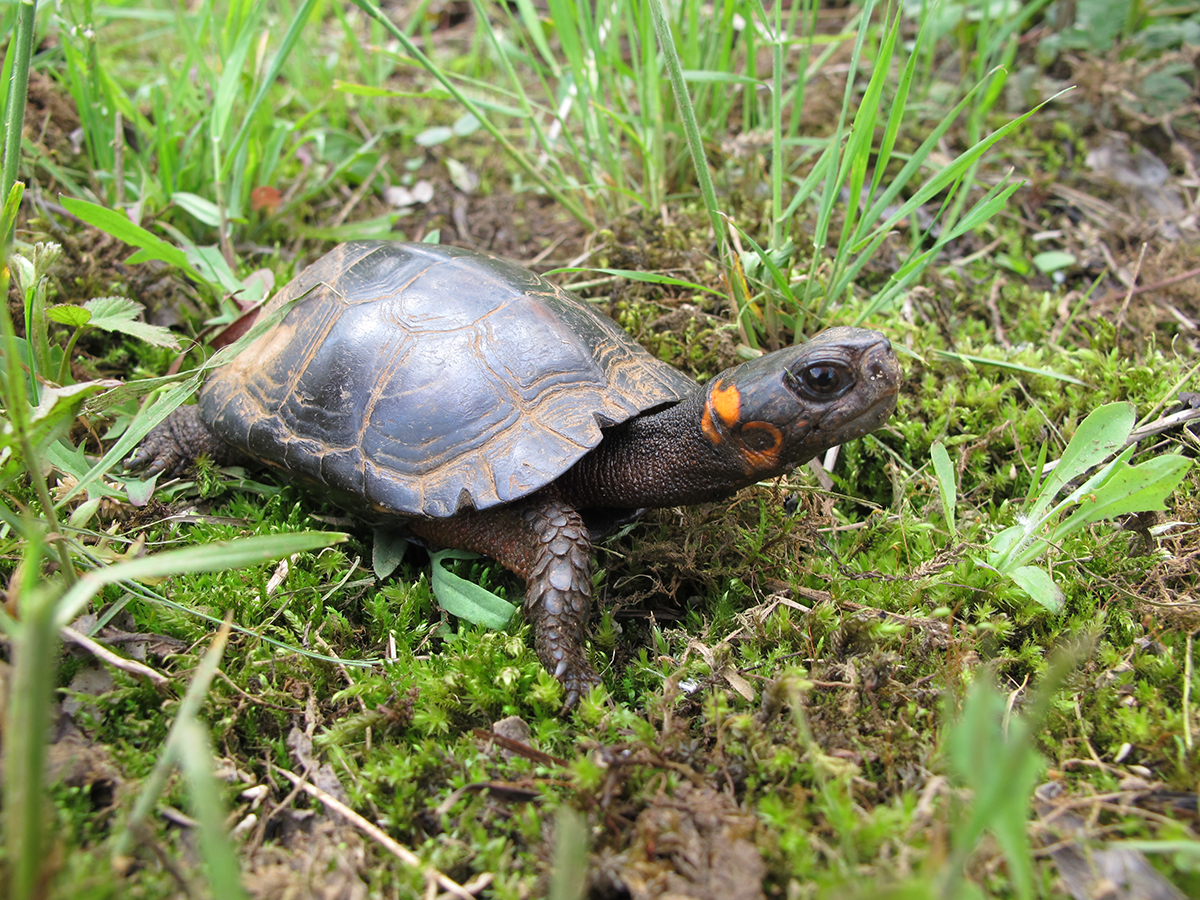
(476,405)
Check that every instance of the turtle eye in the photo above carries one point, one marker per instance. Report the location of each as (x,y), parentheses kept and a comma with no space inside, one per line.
(822,379)
(819,381)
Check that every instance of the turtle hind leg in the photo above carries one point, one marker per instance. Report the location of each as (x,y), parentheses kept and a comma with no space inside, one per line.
(545,541)
(558,594)
(175,443)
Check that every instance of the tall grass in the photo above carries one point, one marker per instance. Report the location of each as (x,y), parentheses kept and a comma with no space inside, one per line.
(607,96)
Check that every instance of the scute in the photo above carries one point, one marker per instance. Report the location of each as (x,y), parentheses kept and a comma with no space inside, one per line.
(425,378)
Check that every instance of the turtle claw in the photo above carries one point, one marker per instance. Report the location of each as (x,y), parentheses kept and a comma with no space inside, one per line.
(175,443)
(155,456)
(577,681)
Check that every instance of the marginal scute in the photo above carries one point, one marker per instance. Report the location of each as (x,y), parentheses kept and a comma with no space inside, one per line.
(430,380)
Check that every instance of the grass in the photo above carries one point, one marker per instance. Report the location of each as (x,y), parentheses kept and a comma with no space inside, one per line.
(865,689)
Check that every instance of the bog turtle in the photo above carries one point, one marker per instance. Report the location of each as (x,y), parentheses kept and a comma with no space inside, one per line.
(478,406)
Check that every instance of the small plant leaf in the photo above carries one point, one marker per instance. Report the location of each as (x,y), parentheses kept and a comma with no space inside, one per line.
(140,492)
(58,409)
(944,470)
(1053,260)
(465,599)
(210,261)
(121,314)
(1129,489)
(387,550)
(1098,437)
(994,757)
(198,208)
(431,137)
(1038,584)
(69,314)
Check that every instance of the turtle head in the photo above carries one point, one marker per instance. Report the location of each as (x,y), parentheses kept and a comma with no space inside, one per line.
(773,413)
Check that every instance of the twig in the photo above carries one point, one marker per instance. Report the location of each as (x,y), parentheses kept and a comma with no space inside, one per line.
(1187,696)
(1158,285)
(133,667)
(374,831)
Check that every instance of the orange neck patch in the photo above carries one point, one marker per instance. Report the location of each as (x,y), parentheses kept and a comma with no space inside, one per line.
(726,402)
(723,403)
(761,444)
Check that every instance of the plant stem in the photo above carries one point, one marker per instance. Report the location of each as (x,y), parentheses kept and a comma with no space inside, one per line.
(27,724)
(22,45)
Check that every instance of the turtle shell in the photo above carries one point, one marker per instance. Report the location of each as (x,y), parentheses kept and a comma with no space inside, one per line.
(427,380)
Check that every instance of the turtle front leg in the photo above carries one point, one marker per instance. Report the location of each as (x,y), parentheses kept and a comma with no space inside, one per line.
(176,442)
(545,541)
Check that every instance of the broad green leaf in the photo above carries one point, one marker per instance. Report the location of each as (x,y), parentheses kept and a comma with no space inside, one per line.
(58,408)
(1038,584)
(73,461)
(122,315)
(465,599)
(140,492)
(1003,543)
(69,314)
(944,470)
(116,223)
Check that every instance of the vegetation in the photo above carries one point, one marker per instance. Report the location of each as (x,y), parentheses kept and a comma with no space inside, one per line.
(954,661)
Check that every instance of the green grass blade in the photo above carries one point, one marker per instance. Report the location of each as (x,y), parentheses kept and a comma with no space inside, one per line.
(189,707)
(195,754)
(666,44)
(119,226)
(972,359)
(214,557)
(295,27)
(534,172)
